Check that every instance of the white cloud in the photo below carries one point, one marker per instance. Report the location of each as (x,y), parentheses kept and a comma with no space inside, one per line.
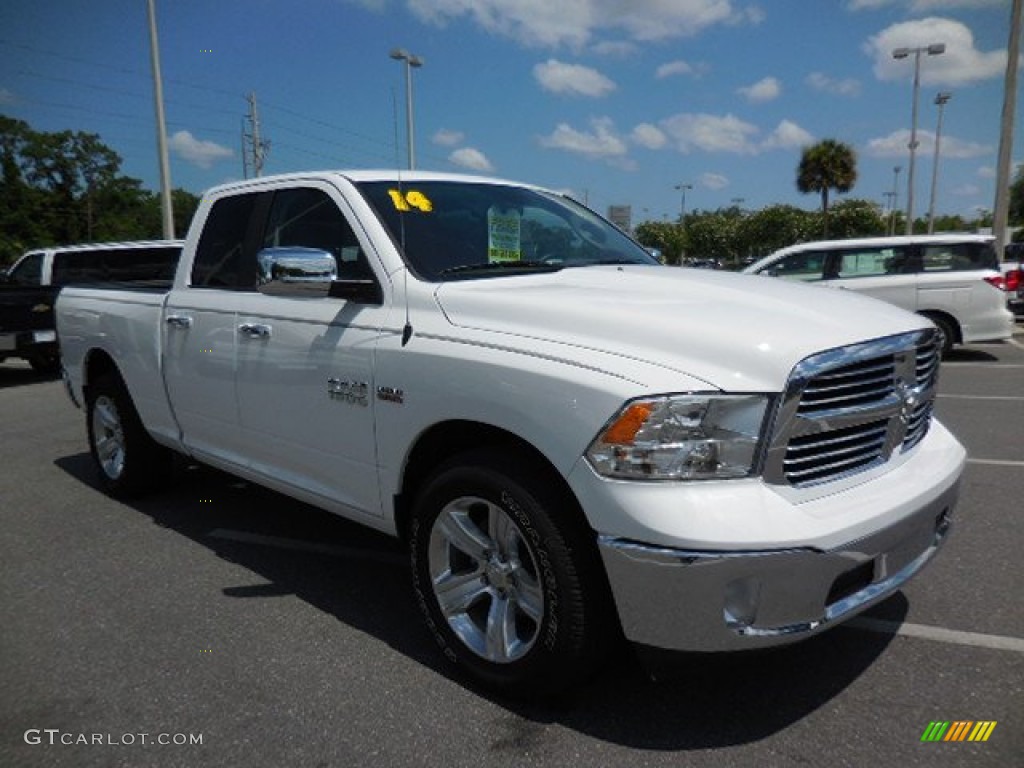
(649,136)
(787,135)
(710,133)
(468,157)
(961,63)
(896,145)
(575,22)
(822,82)
(619,48)
(714,181)
(7,97)
(986,172)
(600,142)
(202,154)
(765,89)
(671,68)
(448,138)
(576,80)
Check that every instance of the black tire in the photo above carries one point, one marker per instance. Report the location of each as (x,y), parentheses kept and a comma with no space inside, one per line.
(947,332)
(129,462)
(523,555)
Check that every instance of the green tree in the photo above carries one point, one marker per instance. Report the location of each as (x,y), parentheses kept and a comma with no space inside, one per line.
(714,235)
(667,237)
(66,187)
(776,227)
(857,218)
(825,166)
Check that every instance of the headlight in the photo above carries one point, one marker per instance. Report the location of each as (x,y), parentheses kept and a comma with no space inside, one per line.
(682,437)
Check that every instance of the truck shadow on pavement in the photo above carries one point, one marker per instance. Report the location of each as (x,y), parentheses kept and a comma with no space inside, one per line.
(361,578)
(16,375)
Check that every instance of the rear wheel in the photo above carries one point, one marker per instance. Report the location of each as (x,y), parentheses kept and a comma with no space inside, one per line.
(129,461)
(507,576)
(947,332)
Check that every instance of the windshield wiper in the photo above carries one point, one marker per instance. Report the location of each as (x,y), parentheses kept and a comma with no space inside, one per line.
(541,266)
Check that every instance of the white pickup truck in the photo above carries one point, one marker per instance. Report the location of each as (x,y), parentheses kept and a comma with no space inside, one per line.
(576,442)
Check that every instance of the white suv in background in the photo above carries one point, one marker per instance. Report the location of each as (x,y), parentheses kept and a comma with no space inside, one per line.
(954,280)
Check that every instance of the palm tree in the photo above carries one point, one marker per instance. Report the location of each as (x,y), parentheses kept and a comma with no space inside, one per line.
(829,164)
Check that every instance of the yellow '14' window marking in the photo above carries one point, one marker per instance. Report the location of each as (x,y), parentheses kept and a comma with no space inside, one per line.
(411,199)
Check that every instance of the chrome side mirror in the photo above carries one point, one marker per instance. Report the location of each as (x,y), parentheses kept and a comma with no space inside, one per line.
(296,271)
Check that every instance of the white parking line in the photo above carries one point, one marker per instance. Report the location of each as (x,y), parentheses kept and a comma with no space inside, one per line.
(938,634)
(297,545)
(1016,343)
(986,366)
(981,397)
(997,462)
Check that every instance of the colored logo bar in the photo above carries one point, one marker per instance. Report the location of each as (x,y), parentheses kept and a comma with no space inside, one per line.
(958,730)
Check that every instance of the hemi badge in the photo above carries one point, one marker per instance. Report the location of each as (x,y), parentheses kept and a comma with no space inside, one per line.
(390,395)
(41,308)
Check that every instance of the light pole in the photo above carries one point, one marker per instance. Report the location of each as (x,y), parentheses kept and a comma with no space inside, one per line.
(400,54)
(166,206)
(901,53)
(940,100)
(682,206)
(895,198)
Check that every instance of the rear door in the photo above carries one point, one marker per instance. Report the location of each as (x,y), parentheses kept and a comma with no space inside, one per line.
(305,385)
(199,334)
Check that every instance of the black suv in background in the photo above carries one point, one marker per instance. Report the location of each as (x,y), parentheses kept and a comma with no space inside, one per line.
(28,290)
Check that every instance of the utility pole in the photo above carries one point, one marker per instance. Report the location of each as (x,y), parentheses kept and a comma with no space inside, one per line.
(161,130)
(252,143)
(1001,211)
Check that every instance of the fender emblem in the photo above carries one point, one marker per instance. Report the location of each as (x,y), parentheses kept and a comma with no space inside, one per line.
(390,395)
(354,392)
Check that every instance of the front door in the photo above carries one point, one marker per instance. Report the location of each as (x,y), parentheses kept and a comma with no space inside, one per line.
(304,378)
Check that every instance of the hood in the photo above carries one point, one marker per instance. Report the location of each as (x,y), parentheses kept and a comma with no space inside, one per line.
(736,332)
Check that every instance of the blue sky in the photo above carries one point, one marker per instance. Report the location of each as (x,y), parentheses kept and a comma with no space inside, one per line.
(617,102)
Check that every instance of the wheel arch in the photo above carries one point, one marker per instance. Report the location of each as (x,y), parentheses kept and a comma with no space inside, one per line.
(932,314)
(97,363)
(446,439)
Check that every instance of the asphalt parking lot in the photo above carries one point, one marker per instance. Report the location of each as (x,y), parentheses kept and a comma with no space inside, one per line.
(279,635)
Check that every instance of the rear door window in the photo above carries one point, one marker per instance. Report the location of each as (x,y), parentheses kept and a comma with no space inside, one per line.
(958,257)
(871,262)
(226,246)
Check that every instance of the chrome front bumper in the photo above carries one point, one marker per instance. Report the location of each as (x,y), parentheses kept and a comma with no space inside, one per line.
(722,601)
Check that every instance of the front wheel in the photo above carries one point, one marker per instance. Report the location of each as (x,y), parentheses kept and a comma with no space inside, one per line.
(507,576)
(129,461)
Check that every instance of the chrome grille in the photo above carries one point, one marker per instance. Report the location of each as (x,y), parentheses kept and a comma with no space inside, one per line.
(851,409)
(848,387)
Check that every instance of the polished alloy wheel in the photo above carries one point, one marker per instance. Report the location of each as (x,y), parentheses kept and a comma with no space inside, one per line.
(108,435)
(485,578)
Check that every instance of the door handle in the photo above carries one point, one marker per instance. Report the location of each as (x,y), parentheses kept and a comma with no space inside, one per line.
(179,321)
(254,330)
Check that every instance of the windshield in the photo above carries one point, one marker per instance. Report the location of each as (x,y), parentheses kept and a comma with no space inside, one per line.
(457,230)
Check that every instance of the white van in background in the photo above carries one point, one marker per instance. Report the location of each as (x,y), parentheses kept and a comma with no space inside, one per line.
(954,280)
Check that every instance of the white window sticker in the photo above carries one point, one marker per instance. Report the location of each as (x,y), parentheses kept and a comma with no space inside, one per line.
(503,240)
